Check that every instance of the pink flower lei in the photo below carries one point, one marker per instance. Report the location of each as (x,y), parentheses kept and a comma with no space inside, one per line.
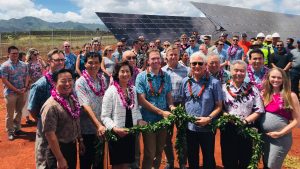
(91,83)
(48,77)
(122,95)
(62,101)
(252,79)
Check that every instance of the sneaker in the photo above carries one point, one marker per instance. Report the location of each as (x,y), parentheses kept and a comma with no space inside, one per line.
(11,136)
(182,167)
(19,132)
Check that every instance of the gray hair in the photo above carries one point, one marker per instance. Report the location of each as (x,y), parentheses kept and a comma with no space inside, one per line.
(201,55)
(238,62)
(212,54)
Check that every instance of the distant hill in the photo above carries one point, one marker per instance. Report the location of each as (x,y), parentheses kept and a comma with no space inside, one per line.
(36,24)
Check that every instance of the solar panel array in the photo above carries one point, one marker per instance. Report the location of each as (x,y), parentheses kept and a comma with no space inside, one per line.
(130,26)
(237,20)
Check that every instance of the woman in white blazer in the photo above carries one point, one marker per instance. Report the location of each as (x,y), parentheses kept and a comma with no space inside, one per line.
(120,111)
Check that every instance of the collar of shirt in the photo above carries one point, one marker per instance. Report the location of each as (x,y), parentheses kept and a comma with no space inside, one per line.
(244,84)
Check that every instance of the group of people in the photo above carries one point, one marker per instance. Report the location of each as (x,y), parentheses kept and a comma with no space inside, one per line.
(76,99)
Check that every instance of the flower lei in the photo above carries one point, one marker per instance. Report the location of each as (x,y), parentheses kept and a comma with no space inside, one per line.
(62,101)
(122,95)
(202,88)
(219,75)
(252,79)
(232,50)
(48,77)
(241,93)
(91,83)
(149,79)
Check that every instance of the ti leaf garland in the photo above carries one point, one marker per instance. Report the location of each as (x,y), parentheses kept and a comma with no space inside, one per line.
(181,119)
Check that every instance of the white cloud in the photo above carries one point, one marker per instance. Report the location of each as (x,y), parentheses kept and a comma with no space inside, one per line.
(20,8)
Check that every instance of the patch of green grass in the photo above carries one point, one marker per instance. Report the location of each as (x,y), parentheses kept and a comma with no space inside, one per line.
(291,162)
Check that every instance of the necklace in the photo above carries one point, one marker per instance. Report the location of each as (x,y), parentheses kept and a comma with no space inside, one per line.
(48,77)
(241,93)
(149,78)
(122,95)
(92,85)
(202,88)
(252,79)
(63,102)
(232,50)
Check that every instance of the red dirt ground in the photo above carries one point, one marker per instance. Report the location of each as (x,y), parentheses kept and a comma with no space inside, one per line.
(19,154)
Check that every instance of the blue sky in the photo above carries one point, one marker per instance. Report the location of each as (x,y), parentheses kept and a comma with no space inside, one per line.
(58,5)
(84,10)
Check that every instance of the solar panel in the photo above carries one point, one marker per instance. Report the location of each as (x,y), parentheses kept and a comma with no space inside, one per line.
(153,26)
(238,20)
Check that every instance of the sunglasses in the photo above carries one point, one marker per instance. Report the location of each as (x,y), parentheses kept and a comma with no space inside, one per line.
(221,44)
(59,60)
(36,54)
(152,46)
(279,45)
(120,46)
(234,39)
(67,46)
(131,58)
(166,45)
(197,63)
(205,39)
(191,41)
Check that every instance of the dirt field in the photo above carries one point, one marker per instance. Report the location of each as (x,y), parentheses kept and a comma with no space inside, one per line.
(19,154)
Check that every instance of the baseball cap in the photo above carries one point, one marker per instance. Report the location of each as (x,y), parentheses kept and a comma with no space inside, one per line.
(224,34)
(243,35)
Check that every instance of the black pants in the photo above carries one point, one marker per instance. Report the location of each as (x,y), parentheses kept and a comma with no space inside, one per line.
(236,149)
(295,77)
(205,140)
(93,156)
(69,151)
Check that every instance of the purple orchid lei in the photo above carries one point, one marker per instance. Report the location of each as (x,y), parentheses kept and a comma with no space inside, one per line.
(232,50)
(252,79)
(122,95)
(87,77)
(62,101)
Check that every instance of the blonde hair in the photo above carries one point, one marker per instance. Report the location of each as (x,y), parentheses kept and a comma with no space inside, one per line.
(106,49)
(29,53)
(285,90)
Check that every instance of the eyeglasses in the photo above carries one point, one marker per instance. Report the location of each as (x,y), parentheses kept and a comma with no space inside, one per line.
(120,46)
(152,46)
(279,45)
(191,41)
(131,58)
(197,63)
(66,46)
(234,39)
(205,39)
(166,45)
(59,60)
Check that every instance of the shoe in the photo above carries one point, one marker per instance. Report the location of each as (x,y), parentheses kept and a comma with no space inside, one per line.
(19,132)
(168,166)
(11,136)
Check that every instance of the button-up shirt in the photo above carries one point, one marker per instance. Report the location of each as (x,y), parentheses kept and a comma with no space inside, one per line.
(244,106)
(258,76)
(70,61)
(176,74)
(203,106)
(142,87)
(190,50)
(15,73)
(223,76)
(87,97)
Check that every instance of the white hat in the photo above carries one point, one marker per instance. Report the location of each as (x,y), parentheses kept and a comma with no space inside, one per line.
(260,35)
(268,38)
(275,35)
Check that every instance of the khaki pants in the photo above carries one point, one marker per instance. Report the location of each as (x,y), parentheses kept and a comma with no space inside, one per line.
(153,146)
(14,105)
